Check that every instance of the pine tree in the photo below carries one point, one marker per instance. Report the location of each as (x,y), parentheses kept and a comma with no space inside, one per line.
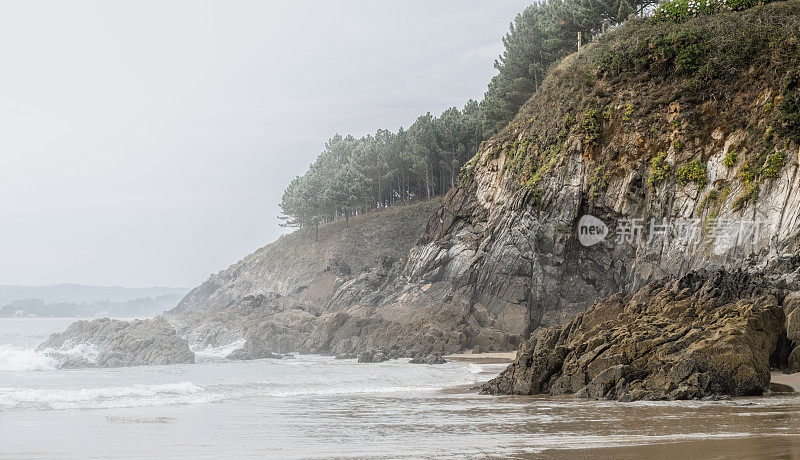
(352,176)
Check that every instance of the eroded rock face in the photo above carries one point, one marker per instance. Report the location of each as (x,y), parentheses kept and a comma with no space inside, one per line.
(706,334)
(343,296)
(115,343)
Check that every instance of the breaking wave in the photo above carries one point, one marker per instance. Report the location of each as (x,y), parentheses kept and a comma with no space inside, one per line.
(20,359)
(29,359)
(99,398)
(217,352)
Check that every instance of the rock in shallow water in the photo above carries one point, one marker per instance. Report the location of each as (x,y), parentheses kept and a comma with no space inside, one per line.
(707,334)
(253,349)
(256,346)
(372,357)
(430,359)
(114,343)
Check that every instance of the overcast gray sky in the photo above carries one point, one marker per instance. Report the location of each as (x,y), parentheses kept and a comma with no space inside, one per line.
(148,143)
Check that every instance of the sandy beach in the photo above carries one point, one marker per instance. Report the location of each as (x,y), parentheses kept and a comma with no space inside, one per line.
(483,358)
(747,447)
(785,383)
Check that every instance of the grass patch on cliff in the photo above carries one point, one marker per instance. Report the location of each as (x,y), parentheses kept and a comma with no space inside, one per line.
(748,195)
(467,172)
(767,166)
(693,172)
(788,116)
(682,10)
(731,158)
(598,180)
(648,88)
(773,165)
(700,50)
(659,170)
(591,125)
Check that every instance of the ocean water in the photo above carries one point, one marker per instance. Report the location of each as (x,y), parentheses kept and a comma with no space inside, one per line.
(318,407)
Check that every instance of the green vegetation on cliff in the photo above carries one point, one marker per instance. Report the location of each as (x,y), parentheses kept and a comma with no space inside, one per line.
(662,79)
(681,10)
(540,36)
(646,94)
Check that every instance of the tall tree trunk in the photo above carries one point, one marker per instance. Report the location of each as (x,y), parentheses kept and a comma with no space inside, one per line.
(453,170)
(380,191)
(428,181)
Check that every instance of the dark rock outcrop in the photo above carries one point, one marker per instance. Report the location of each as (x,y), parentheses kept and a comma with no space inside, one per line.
(704,335)
(115,343)
(339,267)
(429,359)
(370,356)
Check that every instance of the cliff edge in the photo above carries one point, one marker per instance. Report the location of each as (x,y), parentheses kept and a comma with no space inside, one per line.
(658,150)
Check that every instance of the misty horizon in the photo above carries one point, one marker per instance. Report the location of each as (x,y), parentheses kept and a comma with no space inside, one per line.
(159,158)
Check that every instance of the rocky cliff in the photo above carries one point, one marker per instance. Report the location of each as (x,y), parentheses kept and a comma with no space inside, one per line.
(674,136)
(706,334)
(680,141)
(343,294)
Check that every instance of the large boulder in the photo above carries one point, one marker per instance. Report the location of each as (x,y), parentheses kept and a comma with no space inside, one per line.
(790,304)
(372,356)
(114,343)
(253,348)
(704,335)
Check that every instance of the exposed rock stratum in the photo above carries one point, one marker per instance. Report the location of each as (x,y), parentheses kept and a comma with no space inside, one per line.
(706,334)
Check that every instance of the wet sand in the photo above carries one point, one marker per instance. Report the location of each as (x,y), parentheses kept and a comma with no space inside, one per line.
(751,447)
(490,366)
(785,383)
(483,358)
(740,428)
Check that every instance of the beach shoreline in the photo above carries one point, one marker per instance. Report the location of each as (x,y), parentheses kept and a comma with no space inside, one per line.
(784,383)
(502,357)
(505,357)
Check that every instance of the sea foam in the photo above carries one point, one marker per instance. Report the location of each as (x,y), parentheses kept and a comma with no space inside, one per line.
(20,359)
(108,397)
(29,359)
(217,352)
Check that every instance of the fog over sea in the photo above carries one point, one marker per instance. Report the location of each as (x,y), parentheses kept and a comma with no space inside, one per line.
(314,407)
